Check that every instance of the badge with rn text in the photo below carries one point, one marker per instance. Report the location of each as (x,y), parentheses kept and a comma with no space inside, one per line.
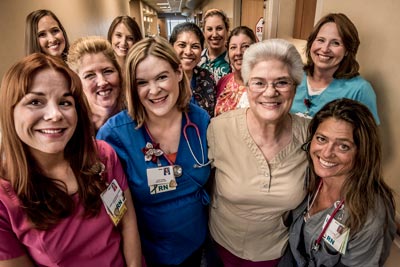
(114,202)
(161,179)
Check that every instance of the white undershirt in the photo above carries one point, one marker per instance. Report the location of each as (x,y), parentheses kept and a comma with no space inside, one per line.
(314,91)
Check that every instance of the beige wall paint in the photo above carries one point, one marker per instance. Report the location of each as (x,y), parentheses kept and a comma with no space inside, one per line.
(286,18)
(378,26)
(226,6)
(377,22)
(79,18)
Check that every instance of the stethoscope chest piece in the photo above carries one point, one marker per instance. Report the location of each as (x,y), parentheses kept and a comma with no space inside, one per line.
(177,171)
(315,247)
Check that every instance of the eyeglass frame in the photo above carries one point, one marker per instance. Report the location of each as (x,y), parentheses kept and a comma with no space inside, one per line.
(274,85)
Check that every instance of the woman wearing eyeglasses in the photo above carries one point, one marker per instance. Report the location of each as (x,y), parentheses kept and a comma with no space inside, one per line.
(258,159)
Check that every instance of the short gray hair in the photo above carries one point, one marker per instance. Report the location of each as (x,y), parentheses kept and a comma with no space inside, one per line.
(278,49)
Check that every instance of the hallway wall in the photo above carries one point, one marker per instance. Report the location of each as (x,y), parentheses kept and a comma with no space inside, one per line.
(79,18)
(377,23)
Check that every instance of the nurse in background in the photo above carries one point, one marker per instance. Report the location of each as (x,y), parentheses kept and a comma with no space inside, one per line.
(332,70)
(231,90)
(346,193)
(188,42)
(161,141)
(216,29)
(93,59)
(44,33)
(123,33)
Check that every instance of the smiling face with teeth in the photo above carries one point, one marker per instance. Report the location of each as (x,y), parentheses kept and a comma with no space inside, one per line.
(270,105)
(327,50)
(50,36)
(158,87)
(237,45)
(333,150)
(100,80)
(188,48)
(45,118)
(215,33)
(122,40)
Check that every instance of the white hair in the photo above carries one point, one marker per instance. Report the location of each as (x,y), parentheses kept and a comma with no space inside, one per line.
(278,49)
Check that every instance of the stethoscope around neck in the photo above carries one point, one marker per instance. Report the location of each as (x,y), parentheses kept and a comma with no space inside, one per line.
(198,164)
(203,162)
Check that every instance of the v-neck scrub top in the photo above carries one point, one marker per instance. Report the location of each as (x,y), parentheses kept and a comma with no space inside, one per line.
(172,225)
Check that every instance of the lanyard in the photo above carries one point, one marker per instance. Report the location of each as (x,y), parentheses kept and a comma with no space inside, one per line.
(321,235)
(332,216)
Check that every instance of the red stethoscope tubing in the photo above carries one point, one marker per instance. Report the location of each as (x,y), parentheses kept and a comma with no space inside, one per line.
(332,216)
(189,123)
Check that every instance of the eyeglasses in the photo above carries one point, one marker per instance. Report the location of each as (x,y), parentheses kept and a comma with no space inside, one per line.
(259,86)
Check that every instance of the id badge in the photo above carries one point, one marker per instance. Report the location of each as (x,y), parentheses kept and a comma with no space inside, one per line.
(161,179)
(337,235)
(114,201)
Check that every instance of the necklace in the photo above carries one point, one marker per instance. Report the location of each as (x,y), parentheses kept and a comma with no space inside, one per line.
(338,205)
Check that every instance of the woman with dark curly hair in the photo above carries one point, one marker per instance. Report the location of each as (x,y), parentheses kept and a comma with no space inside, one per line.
(188,42)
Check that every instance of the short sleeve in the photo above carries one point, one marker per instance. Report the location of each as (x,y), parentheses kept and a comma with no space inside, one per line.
(113,165)
(367,96)
(211,141)
(10,246)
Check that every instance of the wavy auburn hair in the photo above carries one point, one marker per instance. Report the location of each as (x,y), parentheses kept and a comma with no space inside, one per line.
(44,199)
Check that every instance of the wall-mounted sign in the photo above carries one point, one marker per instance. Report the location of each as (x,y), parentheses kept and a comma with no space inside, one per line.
(259,29)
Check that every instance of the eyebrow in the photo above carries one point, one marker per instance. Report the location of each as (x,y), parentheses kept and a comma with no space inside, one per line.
(155,76)
(336,139)
(42,94)
(184,42)
(277,78)
(344,140)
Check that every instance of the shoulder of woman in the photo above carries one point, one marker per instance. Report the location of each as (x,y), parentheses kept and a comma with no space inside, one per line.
(119,120)
(300,126)
(356,82)
(8,198)
(198,114)
(381,217)
(230,119)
